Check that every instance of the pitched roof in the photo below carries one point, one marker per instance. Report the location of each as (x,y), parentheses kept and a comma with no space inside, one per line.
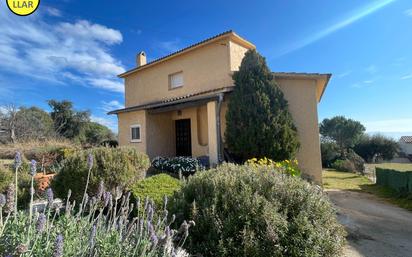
(406,139)
(194,97)
(228,33)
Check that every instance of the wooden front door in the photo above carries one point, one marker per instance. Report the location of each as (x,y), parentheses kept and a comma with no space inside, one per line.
(183,138)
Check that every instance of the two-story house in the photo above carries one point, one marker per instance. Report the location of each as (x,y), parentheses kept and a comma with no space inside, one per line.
(176,105)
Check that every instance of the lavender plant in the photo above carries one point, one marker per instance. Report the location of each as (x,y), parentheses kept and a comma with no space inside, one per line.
(101,226)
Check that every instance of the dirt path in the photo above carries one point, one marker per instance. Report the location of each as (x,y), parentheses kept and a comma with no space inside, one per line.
(376,228)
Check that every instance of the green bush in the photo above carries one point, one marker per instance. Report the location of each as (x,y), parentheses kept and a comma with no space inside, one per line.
(239,211)
(115,166)
(156,188)
(176,165)
(329,152)
(344,165)
(357,161)
(24,180)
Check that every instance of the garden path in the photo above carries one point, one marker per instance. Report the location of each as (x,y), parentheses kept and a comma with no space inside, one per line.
(375,228)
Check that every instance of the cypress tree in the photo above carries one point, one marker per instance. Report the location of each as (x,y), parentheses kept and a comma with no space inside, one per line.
(258,121)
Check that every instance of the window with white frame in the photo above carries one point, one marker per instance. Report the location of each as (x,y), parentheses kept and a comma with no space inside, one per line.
(176,80)
(135,133)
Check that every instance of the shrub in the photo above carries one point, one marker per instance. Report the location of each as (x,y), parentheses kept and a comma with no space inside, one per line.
(344,165)
(24,180)
(7,151)
(330,152)
(184,165)
(101,227)
(285,167)
(239,211)
(156,188)
(116,166)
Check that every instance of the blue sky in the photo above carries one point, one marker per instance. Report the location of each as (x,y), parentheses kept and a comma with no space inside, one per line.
(74,49)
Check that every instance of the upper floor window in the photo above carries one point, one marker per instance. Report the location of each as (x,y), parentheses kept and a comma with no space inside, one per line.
(176,80)
(135,133)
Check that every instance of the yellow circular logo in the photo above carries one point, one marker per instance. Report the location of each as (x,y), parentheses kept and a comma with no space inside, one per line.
(23,7)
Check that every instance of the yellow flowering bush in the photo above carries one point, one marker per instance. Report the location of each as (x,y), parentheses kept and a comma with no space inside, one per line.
(289,167)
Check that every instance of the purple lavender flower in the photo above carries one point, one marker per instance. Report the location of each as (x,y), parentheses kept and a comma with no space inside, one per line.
(92,236)
(89,161)
(10,198)
(150,213)
(2,200)
(154,240)
(100,190)
(58,246)
(106,198)
(41,222)
(33,168)
(50,197)
(17,160)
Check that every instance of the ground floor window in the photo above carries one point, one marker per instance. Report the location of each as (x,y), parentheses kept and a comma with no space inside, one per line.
(135,133)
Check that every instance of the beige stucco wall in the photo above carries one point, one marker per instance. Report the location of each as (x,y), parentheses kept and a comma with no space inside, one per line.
(125,120)
(237,52)
(301,95)
(203,69)
(160,137)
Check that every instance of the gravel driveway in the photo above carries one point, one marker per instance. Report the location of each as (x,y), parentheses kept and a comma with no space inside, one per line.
(375,228)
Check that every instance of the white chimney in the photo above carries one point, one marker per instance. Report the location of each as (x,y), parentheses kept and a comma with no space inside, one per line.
(141,59)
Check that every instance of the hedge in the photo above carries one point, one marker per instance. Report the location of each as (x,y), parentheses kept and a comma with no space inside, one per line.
(400,181)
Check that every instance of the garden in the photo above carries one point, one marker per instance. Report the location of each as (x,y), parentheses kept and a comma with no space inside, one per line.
(114,201)
(101,203)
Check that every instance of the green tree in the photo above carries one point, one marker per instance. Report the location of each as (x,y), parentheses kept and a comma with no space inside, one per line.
(345,132)
(33,123)
(258,121)
(376,146)
(67,122)
(94,134)
(330,152)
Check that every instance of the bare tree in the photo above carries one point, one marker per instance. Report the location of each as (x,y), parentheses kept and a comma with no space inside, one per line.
(8,121)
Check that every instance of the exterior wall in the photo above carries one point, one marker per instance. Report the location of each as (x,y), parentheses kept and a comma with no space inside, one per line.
(203,69)
(301,95)
(125,120)
(406,148)
(236,55)
(160,137)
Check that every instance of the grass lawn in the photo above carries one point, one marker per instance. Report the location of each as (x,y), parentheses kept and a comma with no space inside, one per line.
(393,166)
(350,181)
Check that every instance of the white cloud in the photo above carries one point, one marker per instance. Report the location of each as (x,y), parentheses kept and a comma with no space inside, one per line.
(52,11)
(372,69)
(109,122)
(112,105)
(408,12)
(409,76)
(60,52)
(107,84)
(344,74)
(368,81)
(386,126)
(85,30)
(169,46)
(350,19)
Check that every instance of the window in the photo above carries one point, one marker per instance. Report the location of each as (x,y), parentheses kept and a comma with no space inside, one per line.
(176,80)
(135,133)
